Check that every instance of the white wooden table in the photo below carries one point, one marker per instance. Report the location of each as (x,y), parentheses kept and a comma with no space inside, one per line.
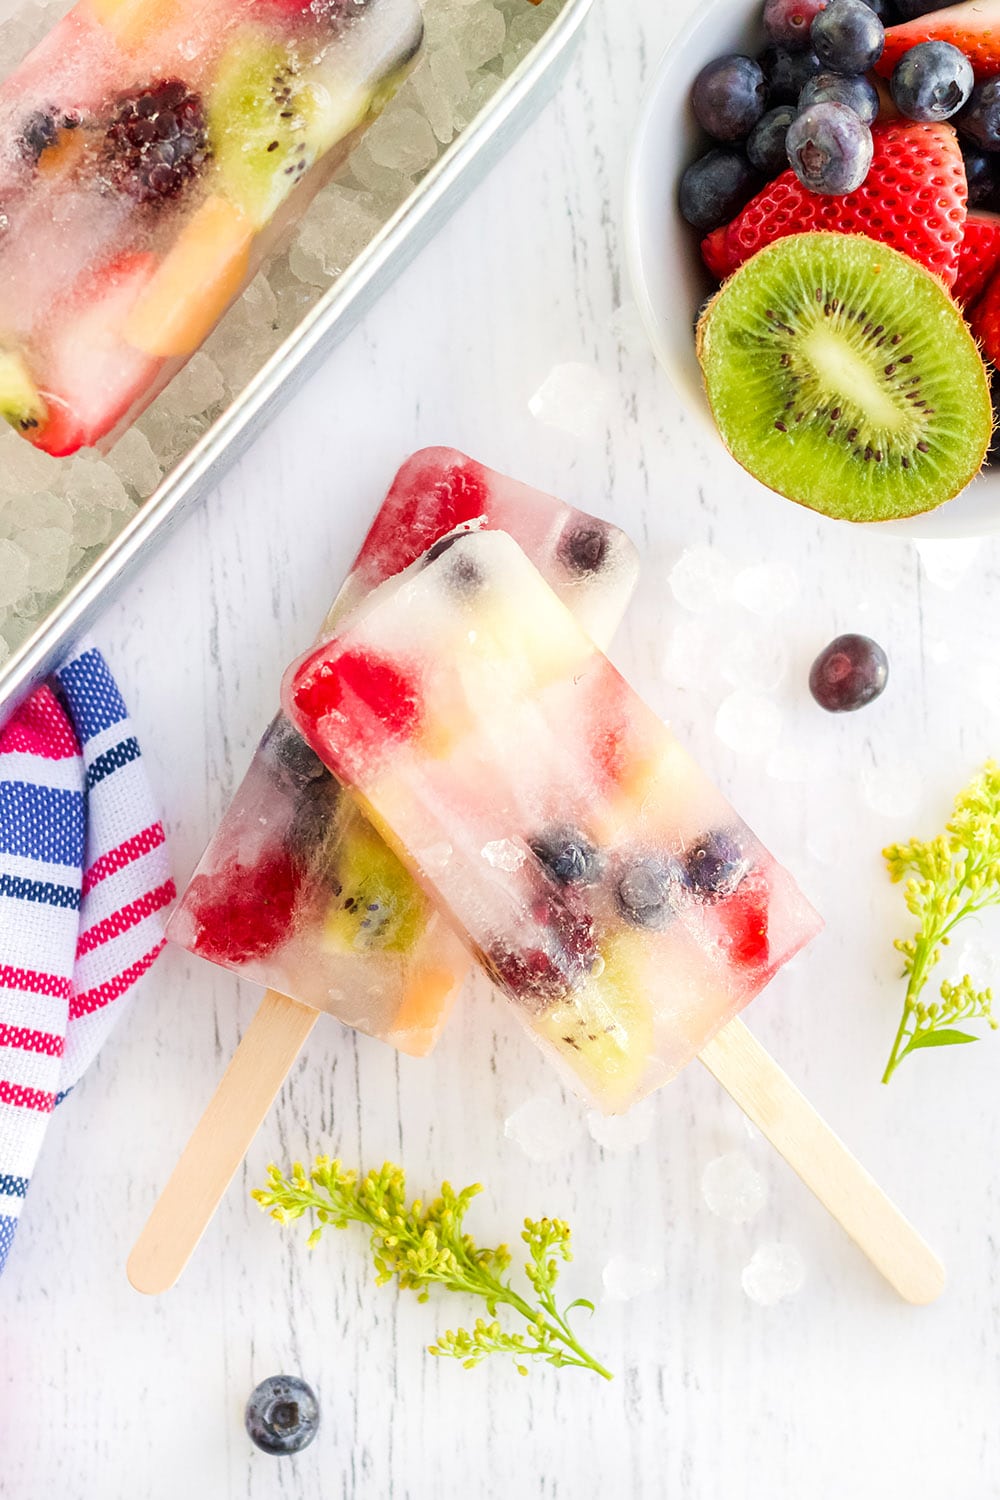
(843,1391)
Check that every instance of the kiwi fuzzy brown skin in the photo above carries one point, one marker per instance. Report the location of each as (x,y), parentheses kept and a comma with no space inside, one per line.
(974,388)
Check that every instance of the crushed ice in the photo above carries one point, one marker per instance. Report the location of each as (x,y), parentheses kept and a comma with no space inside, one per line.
(733,1188)
(618,1133)
(625,1278)
(774,1272)
(575,398)
(545,1128)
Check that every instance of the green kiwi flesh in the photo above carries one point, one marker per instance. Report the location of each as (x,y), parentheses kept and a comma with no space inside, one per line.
(843,376)
(378,907)
(20,403)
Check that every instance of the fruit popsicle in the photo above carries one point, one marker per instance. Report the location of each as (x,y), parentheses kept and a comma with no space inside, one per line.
(152,153)
(296,891)
(601,880)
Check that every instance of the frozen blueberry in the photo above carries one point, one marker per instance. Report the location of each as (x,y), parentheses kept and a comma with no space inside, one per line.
(715,187)
(787,22)
(847,36)
(729,96)
(441,546)
(296,763)
(788,73)
(830,149)
(979,122)
(766,142)
(714,865)
(932,81)
(858,94)
(282,1415)
(852,671)
(568,855)
(462,573)
(981,175)
(646,889)
(584,549)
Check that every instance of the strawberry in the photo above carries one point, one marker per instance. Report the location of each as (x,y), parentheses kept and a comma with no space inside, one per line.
(435,491)
(389,697)
(985,321)
(746,919)
(974,28)
(914,199)
(980,255)
(244,911)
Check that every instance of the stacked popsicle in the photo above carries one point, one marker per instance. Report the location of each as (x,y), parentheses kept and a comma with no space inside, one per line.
(151,154)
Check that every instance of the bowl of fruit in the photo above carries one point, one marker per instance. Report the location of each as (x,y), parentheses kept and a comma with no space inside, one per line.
(813,234)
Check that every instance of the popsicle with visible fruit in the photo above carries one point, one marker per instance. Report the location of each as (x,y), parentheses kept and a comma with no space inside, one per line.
(151,154)
(602,882)
(297,892)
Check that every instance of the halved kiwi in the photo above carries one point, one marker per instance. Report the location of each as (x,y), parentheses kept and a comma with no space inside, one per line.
(20,403)
(842,375)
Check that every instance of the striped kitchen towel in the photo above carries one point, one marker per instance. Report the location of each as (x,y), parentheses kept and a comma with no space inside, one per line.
(83,883)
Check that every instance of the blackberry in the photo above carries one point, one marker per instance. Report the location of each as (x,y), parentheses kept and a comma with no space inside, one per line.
(156,142)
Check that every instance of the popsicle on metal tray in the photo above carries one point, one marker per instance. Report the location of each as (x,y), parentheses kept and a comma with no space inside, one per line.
(296,891)
(152,152)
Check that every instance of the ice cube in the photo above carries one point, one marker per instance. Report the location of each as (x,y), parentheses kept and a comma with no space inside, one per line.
(92,485)
(766,588)
(342,221)
(479,34)
(625,1278)
(946,562)
(24,512)
(195,390)
(481,90)
(23,468)
(774,1272)
(15,566)
(733,1188)
(545,1128)
(48,549)
(892,788)
(701,579)
(756,660)
(575,398)
(504,854)
(244,338)
(619,1133)
(748,723)
(403,140)
(134,461)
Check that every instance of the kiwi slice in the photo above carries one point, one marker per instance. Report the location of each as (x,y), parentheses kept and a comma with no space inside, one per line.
(605,1030)
(842,375)
(20,403)
(378,905)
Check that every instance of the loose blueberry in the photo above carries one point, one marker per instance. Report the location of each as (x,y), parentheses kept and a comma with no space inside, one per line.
(887,10)
(282,1415)
(788,73)
(787,22)
(932,81)
(766,142)
(830,149)
(851,672)
(714,865)
(835,88)
(646,889)
(584,549)
(728,97)
(979,122)
(847,36)
(568,855)
(715,187)
(981,175)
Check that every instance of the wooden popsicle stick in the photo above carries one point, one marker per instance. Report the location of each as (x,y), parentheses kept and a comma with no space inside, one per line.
(769,1098)
(212,1156)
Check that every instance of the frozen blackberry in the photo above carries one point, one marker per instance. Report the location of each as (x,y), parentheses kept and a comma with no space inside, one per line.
(585,548)
(157,142)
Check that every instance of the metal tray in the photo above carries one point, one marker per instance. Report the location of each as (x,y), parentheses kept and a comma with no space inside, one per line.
(465,162)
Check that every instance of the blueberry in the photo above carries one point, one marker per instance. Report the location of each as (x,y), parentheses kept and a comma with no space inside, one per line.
(979,122)
(830,149)
(291,757)
(851,672)
(714,865)
(909,10)
(834,88)
(766,144)
(729,96)
(932,81)
(568,856)
(282,1415)
(981,175)
(584,549)
(887,10)
(848,37)
(787,22)
(462,573)
(646,889)
(788,73)
(441,546)
(715,187)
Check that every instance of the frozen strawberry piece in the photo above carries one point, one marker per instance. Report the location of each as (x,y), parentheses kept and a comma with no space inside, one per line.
(974,28)
(980,255)
(244,911)
(390,697)
(745,919)
(984,321)
(425,503)
(914,199)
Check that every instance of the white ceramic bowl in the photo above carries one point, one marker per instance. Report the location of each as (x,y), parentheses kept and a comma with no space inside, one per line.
(669,281)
